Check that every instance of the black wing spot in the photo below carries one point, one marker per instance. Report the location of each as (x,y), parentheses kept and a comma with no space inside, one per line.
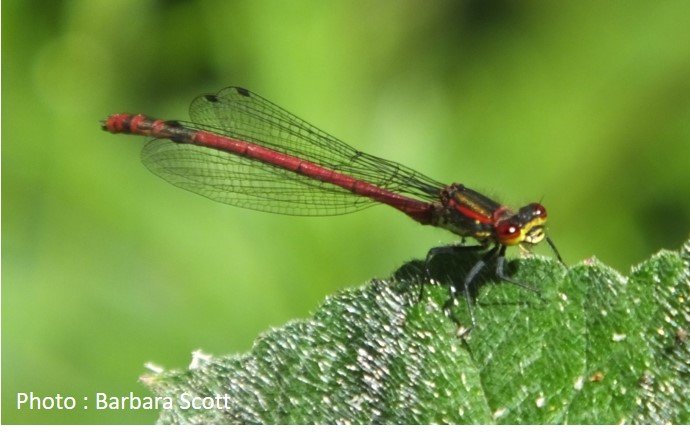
(243,91)
(211,98)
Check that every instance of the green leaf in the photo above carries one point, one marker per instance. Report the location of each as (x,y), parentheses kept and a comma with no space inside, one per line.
(593,347)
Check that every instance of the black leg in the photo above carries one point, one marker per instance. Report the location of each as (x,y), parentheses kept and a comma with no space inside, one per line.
(495,253)
(500,261)
(466,285)
(467,282)
(443,250)
(553,248)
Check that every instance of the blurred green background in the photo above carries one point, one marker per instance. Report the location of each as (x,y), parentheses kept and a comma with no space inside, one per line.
(582,105)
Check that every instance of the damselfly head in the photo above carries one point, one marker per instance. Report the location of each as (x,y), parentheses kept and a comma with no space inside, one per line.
(526,226)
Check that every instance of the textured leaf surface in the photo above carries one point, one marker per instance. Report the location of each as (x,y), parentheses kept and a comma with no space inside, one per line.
(594,347)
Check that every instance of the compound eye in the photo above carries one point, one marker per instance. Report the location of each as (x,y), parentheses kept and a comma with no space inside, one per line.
(508,233)
(538,210)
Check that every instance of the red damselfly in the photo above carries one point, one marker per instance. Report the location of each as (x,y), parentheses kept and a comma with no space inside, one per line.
(243,150)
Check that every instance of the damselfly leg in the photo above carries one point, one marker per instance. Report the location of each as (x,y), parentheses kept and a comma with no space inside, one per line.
(495,255)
